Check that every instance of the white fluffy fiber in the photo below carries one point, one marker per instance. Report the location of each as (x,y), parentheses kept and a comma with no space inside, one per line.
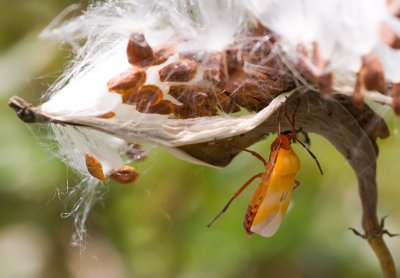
(345,30)
(99,38)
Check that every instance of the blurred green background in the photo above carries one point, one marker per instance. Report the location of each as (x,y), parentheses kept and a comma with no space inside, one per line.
(157,227)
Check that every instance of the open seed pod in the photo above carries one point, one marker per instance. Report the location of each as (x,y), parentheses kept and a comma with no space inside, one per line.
(213,83)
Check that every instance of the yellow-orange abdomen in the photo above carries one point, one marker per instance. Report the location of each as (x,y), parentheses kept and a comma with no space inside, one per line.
(287,162)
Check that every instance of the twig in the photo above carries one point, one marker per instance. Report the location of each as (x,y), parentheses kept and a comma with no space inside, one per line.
(374,230)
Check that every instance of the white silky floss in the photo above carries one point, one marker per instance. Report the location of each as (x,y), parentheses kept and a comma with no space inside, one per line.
(344,30)
(99,38)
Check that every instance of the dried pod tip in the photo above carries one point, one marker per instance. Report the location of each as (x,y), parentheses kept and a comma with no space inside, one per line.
(94,167)
(125,175)
(25,111)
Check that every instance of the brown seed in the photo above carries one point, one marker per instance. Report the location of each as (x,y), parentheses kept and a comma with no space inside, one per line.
(180,71)
(189,94)
(374,78)
(127,174)
(225,103)
(215,71)
(234,63)
(271,81)
(389,36)
(358,94)
(324,79)
(139,51)
(216,76)
(162,53)
(318,72)
(325,85)
(186,111)
(258,50)
(94,167)
(302,63)
(225,70)
(107,115)
(249,103)
(198,101)
(251,97)
(396,98)
(127,82)
(147,95)
(164,107)
(198,57)
(316,56)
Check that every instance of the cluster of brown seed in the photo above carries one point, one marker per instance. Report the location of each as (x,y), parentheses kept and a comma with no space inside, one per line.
(245,74)
(127,174)
(248,74)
